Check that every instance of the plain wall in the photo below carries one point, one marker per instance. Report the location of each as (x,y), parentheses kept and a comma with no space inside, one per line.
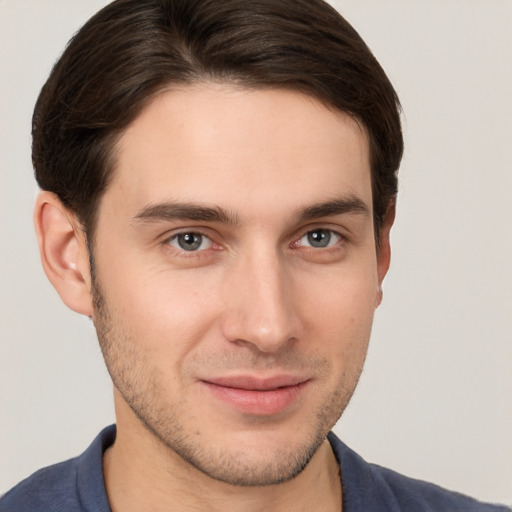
(434,401)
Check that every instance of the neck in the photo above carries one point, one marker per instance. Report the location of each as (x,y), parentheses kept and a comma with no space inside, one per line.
(140,473)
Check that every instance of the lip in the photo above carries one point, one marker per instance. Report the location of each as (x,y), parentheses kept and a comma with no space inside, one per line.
(258,396)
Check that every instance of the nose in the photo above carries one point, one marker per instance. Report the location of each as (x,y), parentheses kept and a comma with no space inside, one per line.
(260,302)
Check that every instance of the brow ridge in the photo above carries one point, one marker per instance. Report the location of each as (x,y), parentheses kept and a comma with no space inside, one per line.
(170,211)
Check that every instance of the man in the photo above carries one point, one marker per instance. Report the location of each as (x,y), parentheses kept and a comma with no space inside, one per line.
(218,184)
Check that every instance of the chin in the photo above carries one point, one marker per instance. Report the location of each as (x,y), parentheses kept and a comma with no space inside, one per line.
(267,464)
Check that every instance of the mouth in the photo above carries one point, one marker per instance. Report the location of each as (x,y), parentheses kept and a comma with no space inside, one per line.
(258,396)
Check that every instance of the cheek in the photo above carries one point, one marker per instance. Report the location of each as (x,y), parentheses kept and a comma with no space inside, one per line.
(339,315)
(163,309)
(343,298)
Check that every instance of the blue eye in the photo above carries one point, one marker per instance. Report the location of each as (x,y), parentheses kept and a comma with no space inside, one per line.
(190,241)
(320,238)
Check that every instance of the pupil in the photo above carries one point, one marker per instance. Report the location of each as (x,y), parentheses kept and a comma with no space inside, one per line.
(189,241)
(319,238)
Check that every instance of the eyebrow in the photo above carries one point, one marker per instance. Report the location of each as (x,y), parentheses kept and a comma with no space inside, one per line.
(170,211)
(349,204)
(185,211)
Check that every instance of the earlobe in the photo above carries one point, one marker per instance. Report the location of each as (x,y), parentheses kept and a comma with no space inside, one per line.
(384,250)
(64,253)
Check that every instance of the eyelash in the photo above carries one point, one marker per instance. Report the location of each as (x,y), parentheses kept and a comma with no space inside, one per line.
(331,233)
(183,253)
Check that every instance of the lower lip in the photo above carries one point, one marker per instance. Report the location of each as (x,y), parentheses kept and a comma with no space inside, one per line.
(256,402)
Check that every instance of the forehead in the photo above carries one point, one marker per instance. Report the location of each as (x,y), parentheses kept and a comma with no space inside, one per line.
(215,143)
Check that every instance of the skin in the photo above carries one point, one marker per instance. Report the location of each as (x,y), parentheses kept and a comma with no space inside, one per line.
(254,178)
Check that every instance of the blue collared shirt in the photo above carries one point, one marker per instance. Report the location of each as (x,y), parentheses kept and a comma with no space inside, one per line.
(77,485)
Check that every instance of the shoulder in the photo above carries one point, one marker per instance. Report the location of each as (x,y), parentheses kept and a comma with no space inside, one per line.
(413,494)
(372,487)
(51,488)
(72,486)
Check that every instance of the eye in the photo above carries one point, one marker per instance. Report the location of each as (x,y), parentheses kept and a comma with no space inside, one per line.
(320,238)
(190,241)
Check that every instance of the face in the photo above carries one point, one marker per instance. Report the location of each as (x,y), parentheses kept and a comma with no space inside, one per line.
(236,276)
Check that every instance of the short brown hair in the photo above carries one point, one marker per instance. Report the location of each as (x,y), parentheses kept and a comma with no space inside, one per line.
(132,49)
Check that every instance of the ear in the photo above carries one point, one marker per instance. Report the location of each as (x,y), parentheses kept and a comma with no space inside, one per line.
(64,252)
(384,249)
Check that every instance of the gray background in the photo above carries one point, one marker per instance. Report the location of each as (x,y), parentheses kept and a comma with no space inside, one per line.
(434,401)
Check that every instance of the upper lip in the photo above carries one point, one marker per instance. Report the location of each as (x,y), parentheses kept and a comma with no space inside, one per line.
(255,383)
